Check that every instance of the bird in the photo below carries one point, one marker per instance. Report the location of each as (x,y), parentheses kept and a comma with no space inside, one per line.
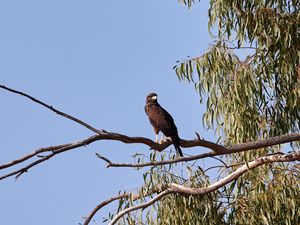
(162,121)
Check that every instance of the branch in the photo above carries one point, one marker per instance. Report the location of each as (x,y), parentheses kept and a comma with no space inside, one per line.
(141,206)
(287,138)
(234,175)
(126,139)
(53,109)
(36,152)
(120,137)
(176,188)
(133,197)
(102,204)
(68,147)
(104,135)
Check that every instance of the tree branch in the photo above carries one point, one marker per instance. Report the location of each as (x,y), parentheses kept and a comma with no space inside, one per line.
(36,152)
(176,188)
(132,196)
(287,138)
(54,110)
(126,139)
(141,206)
(104,135)
(120,137)
(234,175)
(102,204)
(68,147)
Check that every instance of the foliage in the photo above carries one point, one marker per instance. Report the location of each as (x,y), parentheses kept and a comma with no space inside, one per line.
(258,96)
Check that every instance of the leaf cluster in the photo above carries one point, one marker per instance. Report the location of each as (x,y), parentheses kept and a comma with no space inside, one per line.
(250,76)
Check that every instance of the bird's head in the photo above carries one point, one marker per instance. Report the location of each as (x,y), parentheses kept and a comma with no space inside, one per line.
(152,97)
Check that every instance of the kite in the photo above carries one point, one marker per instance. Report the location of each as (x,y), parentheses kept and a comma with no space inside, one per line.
(162,121)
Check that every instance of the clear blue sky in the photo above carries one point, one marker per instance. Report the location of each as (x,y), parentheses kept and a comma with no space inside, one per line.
(96,60)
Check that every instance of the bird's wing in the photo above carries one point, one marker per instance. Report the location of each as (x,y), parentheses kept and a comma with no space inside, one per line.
(161,119)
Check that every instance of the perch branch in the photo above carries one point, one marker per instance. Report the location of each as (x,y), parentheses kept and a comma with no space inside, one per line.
(126,139)
(287,138)
(115,136)
(104,135)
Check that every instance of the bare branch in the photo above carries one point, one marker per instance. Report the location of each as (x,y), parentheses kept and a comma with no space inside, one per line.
(141,206)
(54,110)
(126,139)
(102,204)
(74,145)
(132,196)
(176,188)
(36,152)
(227,150)
(116,136)
(103,158)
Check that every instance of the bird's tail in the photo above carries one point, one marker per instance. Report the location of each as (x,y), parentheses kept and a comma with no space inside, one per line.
(176,143)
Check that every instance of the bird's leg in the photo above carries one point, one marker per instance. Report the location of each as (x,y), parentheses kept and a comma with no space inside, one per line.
(162,139)
(168,138)
(156,138)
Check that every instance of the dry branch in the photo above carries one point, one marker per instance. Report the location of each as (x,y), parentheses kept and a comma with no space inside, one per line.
(30,155)
(74,145)
(141,206)
(226,150)
(53,109)
(120,137)
(130,196)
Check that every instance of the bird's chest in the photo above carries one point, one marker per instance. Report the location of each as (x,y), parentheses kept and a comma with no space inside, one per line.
(152,109)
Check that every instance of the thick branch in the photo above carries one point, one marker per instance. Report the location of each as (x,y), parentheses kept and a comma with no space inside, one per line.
(126,139)
(176,188)
(234,175)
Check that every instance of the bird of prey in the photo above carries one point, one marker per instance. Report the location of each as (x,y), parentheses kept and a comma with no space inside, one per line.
(162,121)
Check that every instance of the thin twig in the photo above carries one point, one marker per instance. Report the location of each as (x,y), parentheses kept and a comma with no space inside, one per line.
(54,109)
(141,206)
(24,169)
(28,156)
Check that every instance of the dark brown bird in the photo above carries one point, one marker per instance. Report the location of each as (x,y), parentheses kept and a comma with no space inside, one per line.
(162,121)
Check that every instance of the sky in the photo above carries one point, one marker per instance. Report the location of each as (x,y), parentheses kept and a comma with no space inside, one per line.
(96,60)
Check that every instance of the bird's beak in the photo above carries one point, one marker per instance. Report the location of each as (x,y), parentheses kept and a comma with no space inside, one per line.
(154,97)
